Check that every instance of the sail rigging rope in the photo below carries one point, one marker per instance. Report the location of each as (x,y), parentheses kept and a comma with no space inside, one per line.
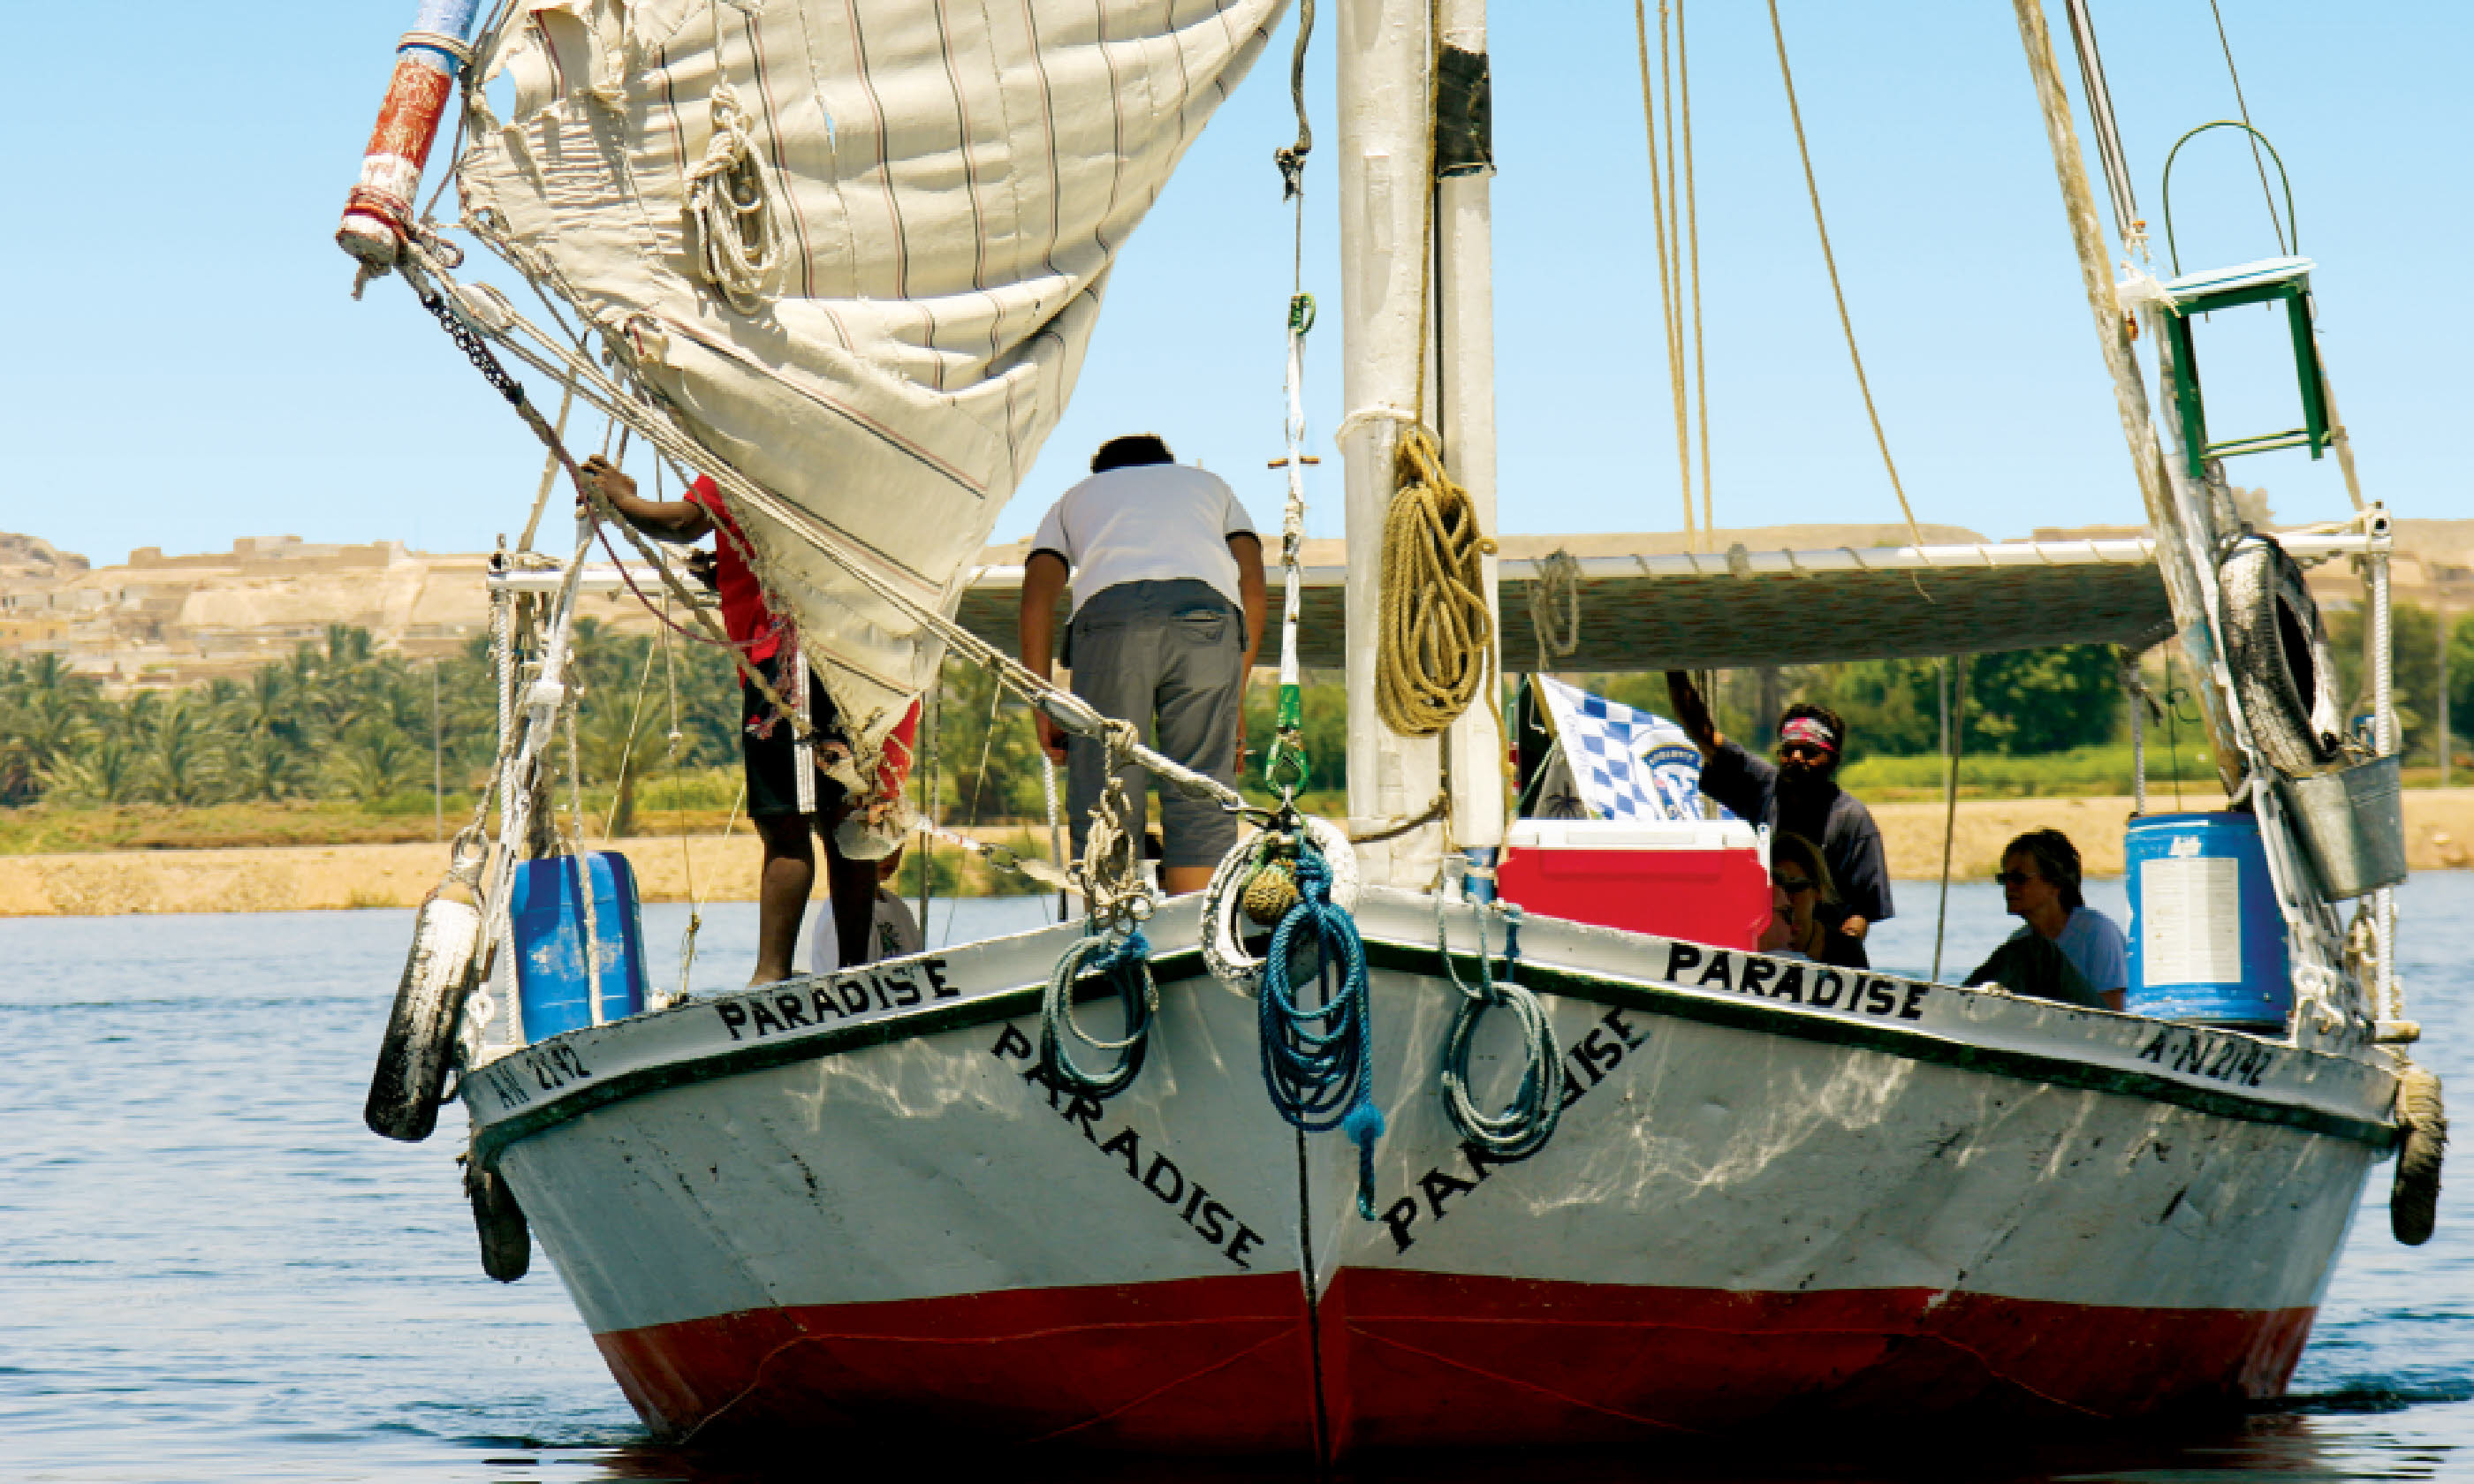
(480,312)
(1674,213)
(1829,260)
(2243,107)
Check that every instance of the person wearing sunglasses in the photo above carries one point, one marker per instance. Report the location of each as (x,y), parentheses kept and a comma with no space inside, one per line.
(1800,891)
(2040,885)
(1799,795)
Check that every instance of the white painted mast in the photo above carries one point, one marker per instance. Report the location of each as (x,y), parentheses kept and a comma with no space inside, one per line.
(1473,749)
(1385,60)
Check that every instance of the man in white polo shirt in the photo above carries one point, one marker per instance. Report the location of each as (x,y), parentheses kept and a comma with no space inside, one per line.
(1169,604)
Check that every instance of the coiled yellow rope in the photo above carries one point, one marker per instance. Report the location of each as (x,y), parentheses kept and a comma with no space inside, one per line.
(1434,644)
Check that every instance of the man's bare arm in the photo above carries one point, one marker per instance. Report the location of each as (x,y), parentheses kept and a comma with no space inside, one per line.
(671,520)
(1043,579)
(1254,597)
(1692,713)
(1252,591)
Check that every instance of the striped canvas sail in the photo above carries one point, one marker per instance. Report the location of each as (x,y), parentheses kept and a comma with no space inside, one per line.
(929,193)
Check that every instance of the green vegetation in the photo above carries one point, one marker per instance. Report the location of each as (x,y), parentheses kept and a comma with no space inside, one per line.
(341,744)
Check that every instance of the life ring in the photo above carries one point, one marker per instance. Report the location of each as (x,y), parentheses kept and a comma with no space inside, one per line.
(1224,936)
(420,1041)
(2413,1194)
(506,1241)
(2278,651)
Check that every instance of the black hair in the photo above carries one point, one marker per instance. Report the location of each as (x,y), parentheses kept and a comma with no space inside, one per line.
(1130,450)
(1822,714)
(2056,859)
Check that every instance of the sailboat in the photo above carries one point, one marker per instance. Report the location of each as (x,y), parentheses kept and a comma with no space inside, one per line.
(1427,1168)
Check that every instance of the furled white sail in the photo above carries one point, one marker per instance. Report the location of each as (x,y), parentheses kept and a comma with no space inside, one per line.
(877,304)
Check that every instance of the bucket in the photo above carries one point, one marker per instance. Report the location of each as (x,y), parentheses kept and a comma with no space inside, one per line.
(547,911)
(2352,824)
(2207,943)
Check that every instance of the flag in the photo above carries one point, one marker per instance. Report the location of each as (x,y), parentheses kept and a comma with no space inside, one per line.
(1625,763)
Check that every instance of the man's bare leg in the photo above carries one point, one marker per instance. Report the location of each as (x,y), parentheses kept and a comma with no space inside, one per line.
(1178,880)
(851,884)
(789,875)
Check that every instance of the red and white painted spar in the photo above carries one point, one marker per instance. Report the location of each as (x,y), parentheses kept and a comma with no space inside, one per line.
(428,58)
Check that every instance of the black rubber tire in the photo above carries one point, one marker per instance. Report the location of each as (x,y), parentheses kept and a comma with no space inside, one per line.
(414,1056)
(2278,652)
(506,1241)
(2413,1193)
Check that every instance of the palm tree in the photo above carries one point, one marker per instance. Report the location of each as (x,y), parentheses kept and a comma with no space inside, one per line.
(102,767)
(372,761)
(184,751)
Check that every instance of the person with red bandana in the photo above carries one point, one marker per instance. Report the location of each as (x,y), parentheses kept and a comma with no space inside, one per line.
(1800,796)
(789,798)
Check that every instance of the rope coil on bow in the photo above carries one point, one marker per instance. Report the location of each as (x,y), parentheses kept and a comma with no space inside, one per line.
(1125,961)
(1528,1121)
(1318,1059)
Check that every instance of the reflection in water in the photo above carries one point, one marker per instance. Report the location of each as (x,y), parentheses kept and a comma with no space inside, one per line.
(209,1271)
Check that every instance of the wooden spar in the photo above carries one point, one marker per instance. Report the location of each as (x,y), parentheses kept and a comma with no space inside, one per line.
(1383,50)
(383,205)
(2179,522)
(1473,747)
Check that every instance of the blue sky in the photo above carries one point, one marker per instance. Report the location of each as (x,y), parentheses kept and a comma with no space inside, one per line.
(188,367)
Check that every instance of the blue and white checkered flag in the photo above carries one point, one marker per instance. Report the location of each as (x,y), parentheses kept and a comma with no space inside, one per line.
(1626,763)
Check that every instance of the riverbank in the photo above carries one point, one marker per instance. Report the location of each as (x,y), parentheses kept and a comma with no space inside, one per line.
(2439,832)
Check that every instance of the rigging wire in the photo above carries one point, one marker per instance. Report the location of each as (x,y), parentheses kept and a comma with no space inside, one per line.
(2126,223)
(1669,289)
(1692,235)
(2235,73)
(1829,260)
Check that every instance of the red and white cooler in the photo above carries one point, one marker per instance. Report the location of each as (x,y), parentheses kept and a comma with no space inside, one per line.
(1706,880)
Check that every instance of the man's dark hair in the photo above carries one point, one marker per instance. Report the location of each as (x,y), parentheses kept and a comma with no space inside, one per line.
(1822,714)
(2056,859)
(1130,450)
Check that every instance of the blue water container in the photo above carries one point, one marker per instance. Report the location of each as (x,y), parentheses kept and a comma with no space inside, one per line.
(2207,943)
(546,907)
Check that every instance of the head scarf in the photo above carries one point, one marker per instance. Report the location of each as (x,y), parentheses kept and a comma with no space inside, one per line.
(1807,728)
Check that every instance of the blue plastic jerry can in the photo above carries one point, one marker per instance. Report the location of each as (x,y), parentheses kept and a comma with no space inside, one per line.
(546,910)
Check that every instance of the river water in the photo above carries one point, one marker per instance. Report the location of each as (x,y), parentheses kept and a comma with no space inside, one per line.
(209,1271)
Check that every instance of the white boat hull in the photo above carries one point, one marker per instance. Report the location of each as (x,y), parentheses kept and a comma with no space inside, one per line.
(1912,1198)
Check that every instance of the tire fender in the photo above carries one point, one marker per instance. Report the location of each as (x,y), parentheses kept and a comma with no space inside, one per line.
(2278,649)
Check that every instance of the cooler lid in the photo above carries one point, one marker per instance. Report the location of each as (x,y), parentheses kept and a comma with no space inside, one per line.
(1631,836)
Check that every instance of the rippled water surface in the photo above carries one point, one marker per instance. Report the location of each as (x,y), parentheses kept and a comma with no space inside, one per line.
(209,1271)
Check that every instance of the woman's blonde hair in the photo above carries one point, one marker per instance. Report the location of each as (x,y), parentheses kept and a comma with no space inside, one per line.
(1785,845)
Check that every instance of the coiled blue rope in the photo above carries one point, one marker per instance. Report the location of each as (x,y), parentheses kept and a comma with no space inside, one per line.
(1126,963)
(1528,1121)
(1318,1060)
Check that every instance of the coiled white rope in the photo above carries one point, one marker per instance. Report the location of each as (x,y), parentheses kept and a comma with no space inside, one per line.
(738,242)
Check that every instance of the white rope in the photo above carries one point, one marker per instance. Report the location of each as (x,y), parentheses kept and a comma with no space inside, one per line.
(738,242)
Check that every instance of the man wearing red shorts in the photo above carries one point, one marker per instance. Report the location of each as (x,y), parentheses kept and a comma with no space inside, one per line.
(789,800)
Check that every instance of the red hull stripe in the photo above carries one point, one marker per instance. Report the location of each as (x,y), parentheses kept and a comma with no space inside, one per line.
(1206,1363)
(1221,1364)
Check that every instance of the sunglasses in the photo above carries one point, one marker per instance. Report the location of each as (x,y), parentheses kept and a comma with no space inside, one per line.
(1804,750)
(2012,878)
(1793,885)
